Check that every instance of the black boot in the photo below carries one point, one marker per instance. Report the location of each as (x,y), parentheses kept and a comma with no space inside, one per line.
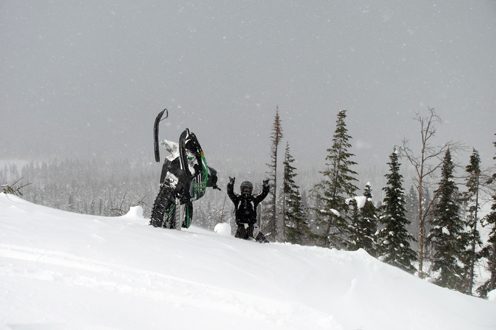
(261,238)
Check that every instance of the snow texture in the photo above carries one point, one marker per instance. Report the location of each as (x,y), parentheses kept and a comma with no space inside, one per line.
(492,296)
(60,270)
(135,212)
(223,229)
(360,200)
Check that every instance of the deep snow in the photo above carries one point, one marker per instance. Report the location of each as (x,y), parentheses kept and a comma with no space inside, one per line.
(60,270)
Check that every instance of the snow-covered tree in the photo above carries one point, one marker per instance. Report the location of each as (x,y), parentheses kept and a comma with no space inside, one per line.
(446,236)
(295,225)
(471,201)
(411,206)
(393,240)
(355,233)
(370,221)
(270,214)
(338,185)
(489,251)
(363,225)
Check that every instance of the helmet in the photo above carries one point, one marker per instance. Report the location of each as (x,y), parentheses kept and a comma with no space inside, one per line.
(246,188)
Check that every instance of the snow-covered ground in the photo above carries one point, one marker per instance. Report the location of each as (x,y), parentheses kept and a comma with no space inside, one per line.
(60,270)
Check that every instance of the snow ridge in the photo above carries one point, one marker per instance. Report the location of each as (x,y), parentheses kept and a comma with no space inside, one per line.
(60,270)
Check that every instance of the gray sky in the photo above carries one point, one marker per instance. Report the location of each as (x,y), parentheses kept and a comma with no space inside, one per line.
(83,78)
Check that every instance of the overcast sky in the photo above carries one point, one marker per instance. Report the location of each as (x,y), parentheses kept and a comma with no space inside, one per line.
(86,78)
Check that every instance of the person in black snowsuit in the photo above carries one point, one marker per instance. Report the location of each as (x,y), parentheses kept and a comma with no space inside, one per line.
(246,209)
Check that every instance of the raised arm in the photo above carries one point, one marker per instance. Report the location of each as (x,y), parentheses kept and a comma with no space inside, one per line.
(230,191)
(265,190)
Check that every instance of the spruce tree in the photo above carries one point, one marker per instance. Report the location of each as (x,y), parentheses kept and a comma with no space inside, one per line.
(412,212)
(295,225)
(369,221)
(271,205)
(393,241)
(446,235)
(355,234)
(471,200)
(489,251)
(363,223)
(337,186)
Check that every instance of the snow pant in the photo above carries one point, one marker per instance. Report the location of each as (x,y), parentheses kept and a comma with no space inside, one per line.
(246,231)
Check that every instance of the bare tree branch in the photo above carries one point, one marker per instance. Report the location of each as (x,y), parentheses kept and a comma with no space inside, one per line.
(426,163)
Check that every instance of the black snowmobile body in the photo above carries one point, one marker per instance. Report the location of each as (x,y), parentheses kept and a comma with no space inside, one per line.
(185,177)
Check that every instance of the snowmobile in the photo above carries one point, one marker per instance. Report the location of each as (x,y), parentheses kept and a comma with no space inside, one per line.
(185,177)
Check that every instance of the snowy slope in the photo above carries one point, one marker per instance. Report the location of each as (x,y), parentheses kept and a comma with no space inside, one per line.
(60,270)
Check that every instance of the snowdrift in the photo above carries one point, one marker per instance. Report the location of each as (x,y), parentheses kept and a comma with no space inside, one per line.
(60,270)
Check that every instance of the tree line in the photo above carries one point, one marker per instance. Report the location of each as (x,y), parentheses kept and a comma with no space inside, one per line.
(445,243)
(98,187)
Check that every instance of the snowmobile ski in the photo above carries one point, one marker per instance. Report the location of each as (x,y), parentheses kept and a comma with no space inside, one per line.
(155,132)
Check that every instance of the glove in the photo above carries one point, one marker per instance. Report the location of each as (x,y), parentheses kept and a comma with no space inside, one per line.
(266,182)
(231,180)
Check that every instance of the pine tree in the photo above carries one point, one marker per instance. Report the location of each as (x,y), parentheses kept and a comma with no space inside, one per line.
(271,204)
(411,207)
(393,241)
(446,235)
(355,229)
(489,251)
(369,221)
(364,223)
(471,200)
(71,204)
(295,226)
(315,210)
(337,186)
